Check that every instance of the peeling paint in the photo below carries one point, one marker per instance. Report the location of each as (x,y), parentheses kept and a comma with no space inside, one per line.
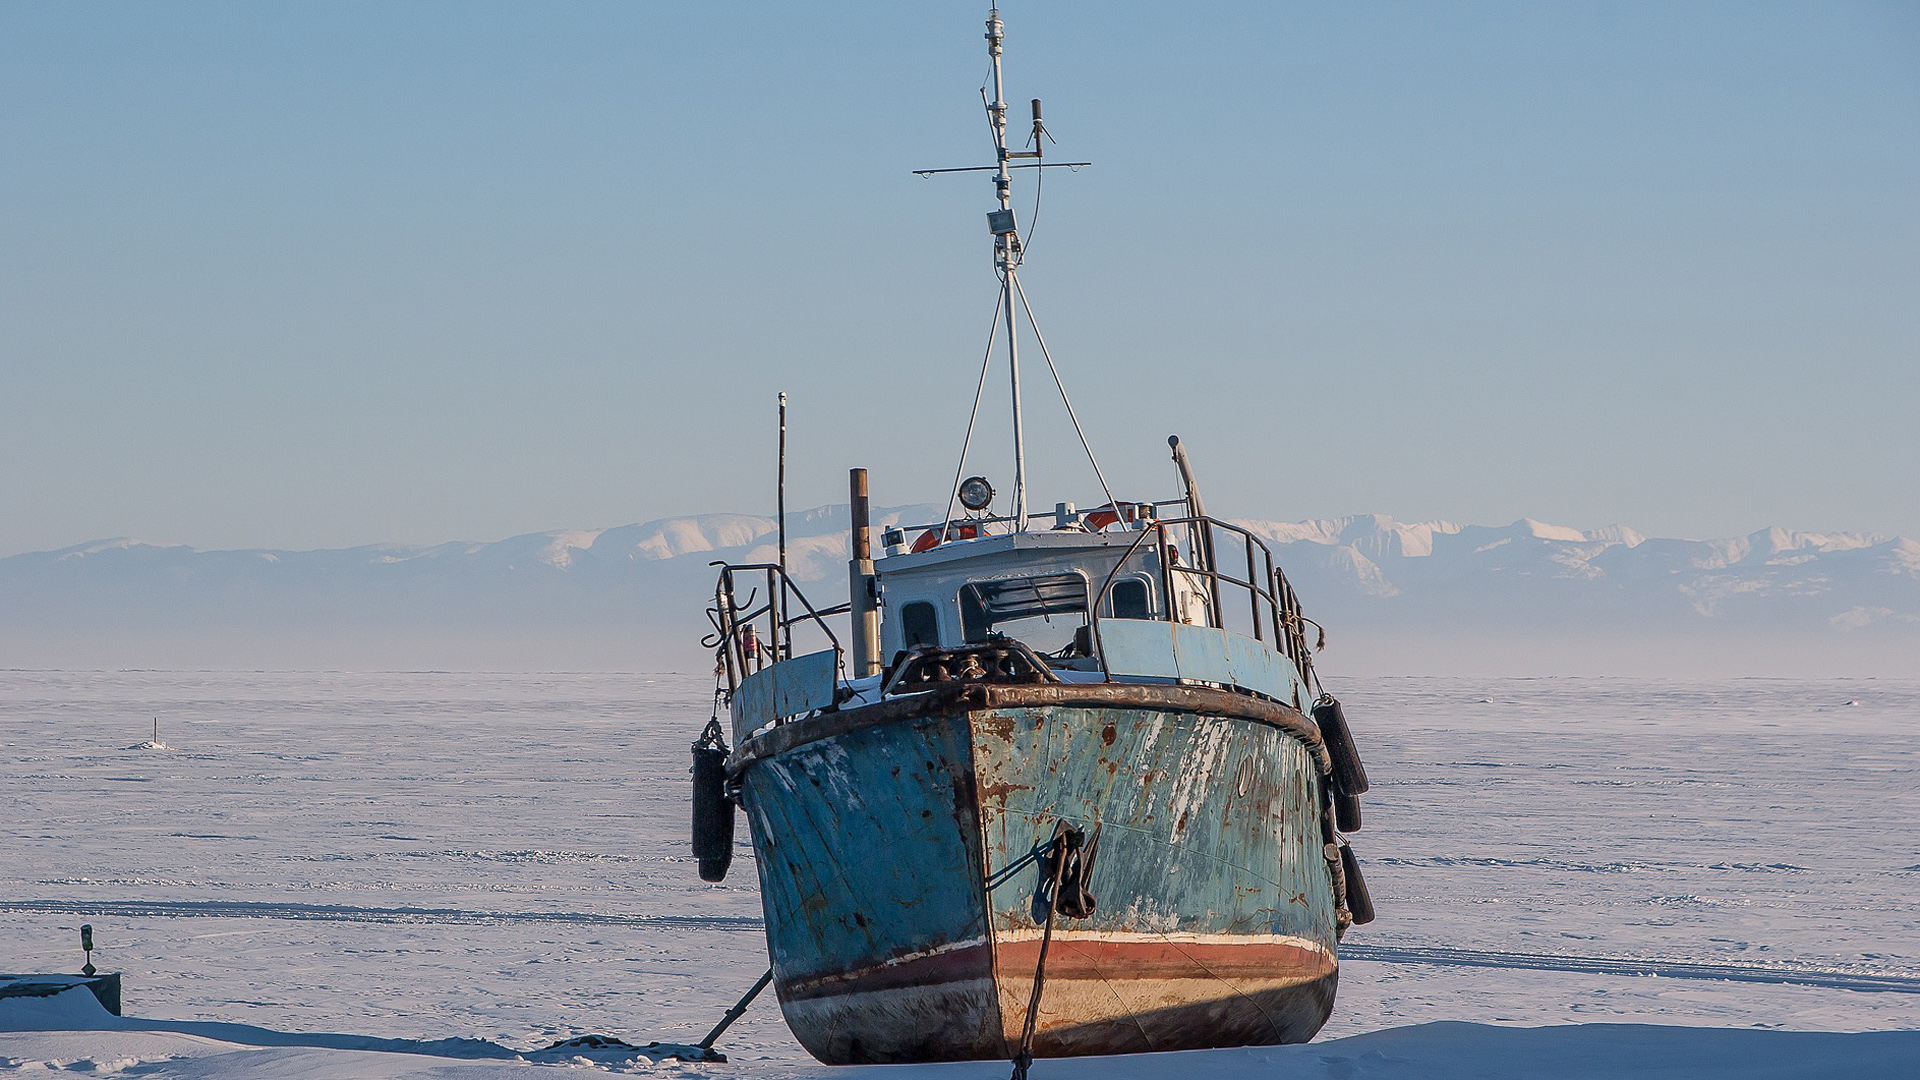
(1211,928)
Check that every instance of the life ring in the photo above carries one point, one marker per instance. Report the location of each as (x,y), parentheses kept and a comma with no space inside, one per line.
(1101,517)
(930,539)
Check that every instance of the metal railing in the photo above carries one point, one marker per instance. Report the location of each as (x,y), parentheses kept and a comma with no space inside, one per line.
(1272,612)
(1135,513)
(751,634)
(737,625)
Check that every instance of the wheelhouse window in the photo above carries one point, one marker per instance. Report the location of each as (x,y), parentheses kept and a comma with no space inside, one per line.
(919,624)
(1131,600)
(1042,611)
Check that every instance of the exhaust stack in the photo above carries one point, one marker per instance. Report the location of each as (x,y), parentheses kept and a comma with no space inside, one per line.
(860,582)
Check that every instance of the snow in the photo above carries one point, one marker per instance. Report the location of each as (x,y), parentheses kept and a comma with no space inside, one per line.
(334,874)
(1540,530)
(1617,534)
(102,1045)
(561,547)
(684,536)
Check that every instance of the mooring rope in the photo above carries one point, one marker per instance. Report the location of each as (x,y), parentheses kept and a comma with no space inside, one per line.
(1071,869)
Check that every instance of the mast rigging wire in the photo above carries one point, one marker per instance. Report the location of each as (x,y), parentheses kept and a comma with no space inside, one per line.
(993,330)
(1016,256)
(1033,223)
(1064,400)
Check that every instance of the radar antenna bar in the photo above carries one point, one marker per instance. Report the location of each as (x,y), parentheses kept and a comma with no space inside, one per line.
(995,168)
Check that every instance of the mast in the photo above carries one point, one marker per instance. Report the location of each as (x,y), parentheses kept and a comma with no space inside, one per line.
(1006,255)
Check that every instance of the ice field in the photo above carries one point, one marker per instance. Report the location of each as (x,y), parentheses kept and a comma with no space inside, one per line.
(323,873)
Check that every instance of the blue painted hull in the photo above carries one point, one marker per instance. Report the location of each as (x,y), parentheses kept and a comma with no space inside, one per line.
(895,854)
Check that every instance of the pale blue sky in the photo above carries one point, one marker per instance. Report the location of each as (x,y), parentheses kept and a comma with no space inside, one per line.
(309,275)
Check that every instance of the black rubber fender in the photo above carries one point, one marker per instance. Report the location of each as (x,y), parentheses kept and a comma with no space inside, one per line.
(1349,776)
(1346,812)
(712,813)
(1359,902)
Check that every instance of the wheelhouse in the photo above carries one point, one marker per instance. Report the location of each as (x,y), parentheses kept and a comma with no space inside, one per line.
(1131,597)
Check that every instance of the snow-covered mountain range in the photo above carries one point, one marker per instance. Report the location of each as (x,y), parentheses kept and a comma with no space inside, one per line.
(642,586)
(1531,572)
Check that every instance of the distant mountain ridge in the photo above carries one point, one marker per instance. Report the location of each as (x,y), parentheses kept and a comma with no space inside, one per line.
(648,582)
(1531,571)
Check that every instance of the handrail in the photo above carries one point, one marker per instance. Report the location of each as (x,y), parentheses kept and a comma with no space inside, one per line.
(1258,592)
(730,623)
(1289,640)
(991,519)
(1271,601)
(1280,604)
(1094,601)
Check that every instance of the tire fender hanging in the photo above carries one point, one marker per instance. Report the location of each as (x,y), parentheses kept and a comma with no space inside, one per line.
(1349,777)
(1359,901)
(712,808)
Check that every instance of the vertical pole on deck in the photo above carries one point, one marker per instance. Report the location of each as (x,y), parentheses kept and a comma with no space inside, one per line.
(730,647)
(860,579)
(1202,531)
(783,641)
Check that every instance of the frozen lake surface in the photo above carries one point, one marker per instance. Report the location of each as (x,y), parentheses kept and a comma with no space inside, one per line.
(425,856)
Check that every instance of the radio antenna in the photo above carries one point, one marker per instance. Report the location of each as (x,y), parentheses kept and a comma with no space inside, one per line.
(1007,245)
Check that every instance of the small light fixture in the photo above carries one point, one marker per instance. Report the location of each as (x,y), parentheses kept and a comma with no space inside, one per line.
(86,942)
(975,493)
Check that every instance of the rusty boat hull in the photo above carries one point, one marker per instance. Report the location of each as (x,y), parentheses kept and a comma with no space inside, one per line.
(897,849)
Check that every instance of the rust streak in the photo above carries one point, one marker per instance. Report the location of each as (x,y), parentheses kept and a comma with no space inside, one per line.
(1001,789)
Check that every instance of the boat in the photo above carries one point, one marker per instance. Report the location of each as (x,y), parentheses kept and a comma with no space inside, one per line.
(1052,784)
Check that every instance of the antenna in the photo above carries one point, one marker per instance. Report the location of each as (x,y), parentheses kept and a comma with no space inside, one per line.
(1006,256)
(1007,246)
(784,639)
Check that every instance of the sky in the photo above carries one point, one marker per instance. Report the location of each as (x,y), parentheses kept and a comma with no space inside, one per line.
(317,275)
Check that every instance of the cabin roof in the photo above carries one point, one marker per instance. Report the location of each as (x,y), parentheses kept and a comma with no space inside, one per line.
(1045,547)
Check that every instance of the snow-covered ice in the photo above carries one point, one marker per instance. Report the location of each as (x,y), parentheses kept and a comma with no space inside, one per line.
(431,874)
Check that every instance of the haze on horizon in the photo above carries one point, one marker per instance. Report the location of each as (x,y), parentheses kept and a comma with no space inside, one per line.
(315,276)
